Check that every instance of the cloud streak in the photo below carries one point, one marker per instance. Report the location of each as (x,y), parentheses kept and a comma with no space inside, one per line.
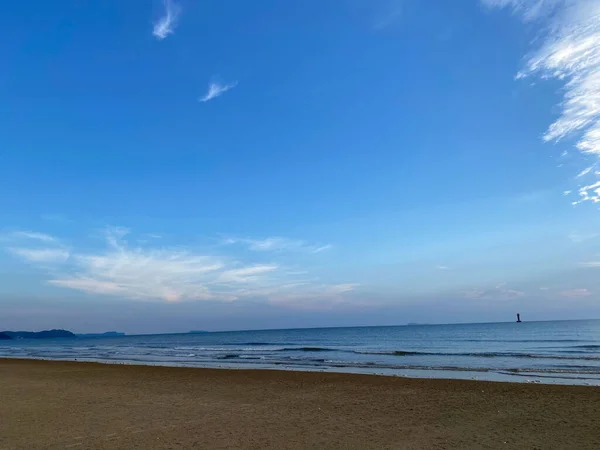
(278,244)
(216,90)
(35,247)
(575,293)
(569,51)
(578,238)
(390,14)
(170,273)
(323,297)
(43,237)
(590,192)
(165,26)
(499,292)
(46,255)
(590,264)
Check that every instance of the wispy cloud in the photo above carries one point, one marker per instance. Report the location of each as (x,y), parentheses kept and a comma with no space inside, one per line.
(168,21)
(499,292)
(36,247)
(168,273)
(584,172)
(322,248)
(441,267)
(46,255)
(530,9)
(43,237)
(216,89)
(278,244)
(152,235)
(578,238)
(390,12)
(569,50)
(245,274)
(314,297)
(590,192)
(575,293)
(590,264)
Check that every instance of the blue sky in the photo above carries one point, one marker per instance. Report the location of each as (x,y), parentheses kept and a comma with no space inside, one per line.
(185,164)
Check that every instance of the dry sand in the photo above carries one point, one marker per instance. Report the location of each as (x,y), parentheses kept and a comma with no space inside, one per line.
(63,405)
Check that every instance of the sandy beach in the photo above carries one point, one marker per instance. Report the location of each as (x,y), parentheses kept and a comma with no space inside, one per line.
(72,405)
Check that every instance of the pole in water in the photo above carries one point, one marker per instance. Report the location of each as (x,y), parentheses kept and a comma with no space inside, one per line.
(518,318)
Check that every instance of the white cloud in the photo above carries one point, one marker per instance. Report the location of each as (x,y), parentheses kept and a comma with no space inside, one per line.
(269,244)
(170,274)
(143,274)
(584,172)
(575,293)
(499,292)
(33,235)
(590,264)
(591,193)
(341,288)
(278,244)
(530,9)
(440,267)
(582,237)
(322,248)
(569,50)
(245,274)
(216,89)
(168,21)
(311,297)
(46,255)
(36,247)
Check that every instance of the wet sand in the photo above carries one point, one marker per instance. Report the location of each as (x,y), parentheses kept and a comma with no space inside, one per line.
(71,405)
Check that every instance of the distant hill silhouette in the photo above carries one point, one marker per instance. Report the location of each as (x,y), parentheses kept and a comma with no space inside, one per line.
(46,334)
(4,337)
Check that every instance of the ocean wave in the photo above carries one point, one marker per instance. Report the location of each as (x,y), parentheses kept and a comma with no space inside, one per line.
(320,363)
(229,349)
(309,349)
(479,355)
(228,356)
(543,341)
(246,361)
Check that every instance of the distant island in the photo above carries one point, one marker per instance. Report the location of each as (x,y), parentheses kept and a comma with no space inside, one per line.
(52,334)
(106,334)
(45,334)
(198,332)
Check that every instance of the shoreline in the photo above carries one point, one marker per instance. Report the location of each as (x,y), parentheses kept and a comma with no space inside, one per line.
(59,404)
(482,375)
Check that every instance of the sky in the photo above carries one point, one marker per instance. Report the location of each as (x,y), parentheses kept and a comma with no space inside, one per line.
(207,164)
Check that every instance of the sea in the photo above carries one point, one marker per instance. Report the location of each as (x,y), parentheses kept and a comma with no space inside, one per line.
(562,352)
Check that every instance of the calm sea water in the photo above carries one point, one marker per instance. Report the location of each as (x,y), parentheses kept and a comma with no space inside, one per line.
(551,352)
